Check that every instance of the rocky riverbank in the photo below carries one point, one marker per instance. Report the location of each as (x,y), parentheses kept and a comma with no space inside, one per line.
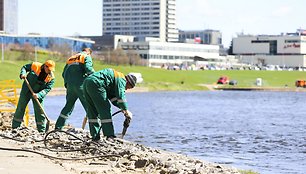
(74,152)
(62,91)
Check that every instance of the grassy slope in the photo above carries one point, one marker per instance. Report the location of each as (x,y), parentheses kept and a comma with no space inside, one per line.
(160,79)
(189,80)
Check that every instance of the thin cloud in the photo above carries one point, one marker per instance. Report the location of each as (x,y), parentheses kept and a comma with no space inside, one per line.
(282,11)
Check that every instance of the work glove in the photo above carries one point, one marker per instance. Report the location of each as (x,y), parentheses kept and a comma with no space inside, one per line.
(22,76)
(35,96)
(128,114)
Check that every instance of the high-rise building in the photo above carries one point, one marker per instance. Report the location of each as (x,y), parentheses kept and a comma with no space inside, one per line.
(141,18)
(9,16)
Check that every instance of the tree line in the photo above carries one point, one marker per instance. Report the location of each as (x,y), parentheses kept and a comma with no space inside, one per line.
(60,53)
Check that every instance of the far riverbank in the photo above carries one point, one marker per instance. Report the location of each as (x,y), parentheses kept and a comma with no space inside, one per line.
(155,79)
(62,91)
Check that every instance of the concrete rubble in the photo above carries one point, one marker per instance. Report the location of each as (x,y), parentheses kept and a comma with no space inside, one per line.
(73,150)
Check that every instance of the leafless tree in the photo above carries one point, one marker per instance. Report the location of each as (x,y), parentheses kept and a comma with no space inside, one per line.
(121,57)
(60,51)
(27,51)
(134,58)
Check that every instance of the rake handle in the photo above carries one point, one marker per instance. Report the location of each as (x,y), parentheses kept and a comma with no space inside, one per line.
(39,104)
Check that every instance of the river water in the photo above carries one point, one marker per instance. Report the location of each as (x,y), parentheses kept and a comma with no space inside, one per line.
(261,131)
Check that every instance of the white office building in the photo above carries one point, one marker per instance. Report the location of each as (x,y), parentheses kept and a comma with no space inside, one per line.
(158,53)
(9,16)
(141,18)
(284,50)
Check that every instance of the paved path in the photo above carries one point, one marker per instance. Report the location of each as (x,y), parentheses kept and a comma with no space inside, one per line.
(14,162)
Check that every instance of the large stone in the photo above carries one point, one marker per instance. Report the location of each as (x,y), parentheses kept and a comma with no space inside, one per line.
(141,163)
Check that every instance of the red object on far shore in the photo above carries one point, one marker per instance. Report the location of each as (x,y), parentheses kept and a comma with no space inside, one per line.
(223,80)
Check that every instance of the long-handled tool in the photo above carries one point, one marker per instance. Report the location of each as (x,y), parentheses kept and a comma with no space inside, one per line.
(84,122)
(40,106)
(126,124)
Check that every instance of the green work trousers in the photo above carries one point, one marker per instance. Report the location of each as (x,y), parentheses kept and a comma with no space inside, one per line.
(98,106)
(25,96)
(73,93)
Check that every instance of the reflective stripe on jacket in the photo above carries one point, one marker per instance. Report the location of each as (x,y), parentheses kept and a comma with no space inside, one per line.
(75,59)
(36,68)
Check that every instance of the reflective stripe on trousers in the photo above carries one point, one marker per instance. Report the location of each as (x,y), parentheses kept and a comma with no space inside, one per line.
(64,116)
(106,121)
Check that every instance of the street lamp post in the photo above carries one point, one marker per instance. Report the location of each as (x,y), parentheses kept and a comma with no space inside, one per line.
(2,49)
(35,49)
(35,53)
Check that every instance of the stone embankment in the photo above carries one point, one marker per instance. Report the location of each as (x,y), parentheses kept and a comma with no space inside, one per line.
(62,91)
(73,152)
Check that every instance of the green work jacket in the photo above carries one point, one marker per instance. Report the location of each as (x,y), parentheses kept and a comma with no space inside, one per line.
(77,68)
(40,87)
(114,82)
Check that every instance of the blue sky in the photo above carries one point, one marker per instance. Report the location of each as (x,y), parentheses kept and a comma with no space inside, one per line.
(71,17)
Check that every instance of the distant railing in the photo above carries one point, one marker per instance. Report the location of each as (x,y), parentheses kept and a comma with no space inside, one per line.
(9,98)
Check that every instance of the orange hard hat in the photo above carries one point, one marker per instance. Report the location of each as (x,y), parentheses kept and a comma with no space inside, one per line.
(50,64)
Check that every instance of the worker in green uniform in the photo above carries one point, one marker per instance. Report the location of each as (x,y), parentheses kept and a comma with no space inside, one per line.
(100,88)
(41,79)
(76,69)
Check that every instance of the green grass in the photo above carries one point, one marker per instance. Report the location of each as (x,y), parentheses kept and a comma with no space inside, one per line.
(161,79)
